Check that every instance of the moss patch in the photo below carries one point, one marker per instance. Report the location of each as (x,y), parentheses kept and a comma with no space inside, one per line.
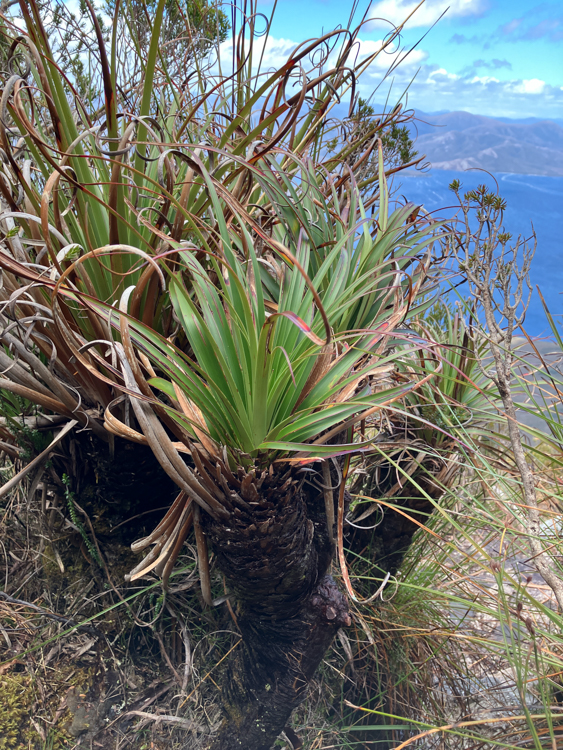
(17,697)
(15,700)
(19,700)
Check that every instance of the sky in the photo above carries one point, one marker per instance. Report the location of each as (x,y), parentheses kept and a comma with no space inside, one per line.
(489,57)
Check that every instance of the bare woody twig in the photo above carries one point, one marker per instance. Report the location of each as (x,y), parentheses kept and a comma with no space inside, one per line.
(490,266)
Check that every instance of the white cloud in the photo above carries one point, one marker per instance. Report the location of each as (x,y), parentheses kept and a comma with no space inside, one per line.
(387,56)
(532,86)
(437,89)
(442,72)
(274,52)
(396,11)
(484,79)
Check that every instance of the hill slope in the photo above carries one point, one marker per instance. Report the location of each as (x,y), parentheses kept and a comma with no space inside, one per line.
(460,140)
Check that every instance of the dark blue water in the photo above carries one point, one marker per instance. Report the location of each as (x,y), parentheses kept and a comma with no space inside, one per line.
(531,200)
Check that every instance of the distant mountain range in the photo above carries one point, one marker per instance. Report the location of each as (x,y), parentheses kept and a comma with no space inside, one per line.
(460,140)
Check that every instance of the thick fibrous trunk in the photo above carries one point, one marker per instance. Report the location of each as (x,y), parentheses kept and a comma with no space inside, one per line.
(390,541)
(269,676)
(274,557)
(387,544)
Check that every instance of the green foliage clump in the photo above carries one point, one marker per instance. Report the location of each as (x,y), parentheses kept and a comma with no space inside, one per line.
(189,27)
(398,146)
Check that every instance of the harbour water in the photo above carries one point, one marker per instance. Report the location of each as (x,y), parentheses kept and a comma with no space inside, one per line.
(532,201)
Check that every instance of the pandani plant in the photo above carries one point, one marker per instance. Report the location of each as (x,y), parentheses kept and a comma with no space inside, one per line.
(203,276)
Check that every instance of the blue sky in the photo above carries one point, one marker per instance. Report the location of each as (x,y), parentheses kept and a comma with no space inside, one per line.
(491,57)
